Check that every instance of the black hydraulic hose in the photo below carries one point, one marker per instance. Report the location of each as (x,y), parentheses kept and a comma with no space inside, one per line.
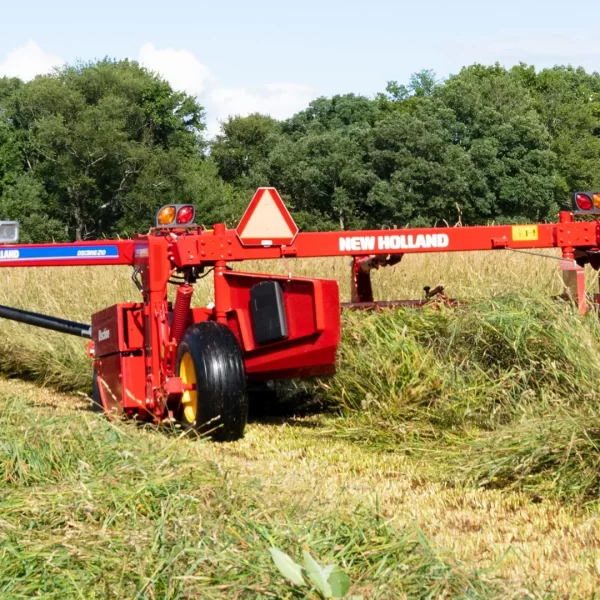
(46,322)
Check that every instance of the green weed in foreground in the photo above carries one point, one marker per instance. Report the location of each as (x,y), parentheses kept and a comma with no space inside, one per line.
(328,582)
(90,509)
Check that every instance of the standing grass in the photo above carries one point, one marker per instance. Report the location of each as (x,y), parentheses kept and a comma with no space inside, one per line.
(77,292)
(476,366)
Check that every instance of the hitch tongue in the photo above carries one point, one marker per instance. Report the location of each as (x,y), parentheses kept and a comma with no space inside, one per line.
(46,321)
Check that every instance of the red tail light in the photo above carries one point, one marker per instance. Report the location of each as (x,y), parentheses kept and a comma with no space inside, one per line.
(185,215)
(583,202)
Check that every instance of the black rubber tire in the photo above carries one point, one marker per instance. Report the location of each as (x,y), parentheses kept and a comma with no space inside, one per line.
(96,399)
(222,399)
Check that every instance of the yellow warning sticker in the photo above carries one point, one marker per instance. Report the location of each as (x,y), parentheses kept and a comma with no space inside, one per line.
(524,233)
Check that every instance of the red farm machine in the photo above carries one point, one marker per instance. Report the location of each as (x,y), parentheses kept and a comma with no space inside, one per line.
(157,360)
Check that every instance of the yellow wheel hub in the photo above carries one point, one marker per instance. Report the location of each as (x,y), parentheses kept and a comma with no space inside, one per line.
(189,400)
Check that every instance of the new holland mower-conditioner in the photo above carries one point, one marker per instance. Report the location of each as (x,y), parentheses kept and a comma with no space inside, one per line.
(157,360)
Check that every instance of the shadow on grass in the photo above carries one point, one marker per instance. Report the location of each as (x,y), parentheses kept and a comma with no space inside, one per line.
(284,402)
(270,403)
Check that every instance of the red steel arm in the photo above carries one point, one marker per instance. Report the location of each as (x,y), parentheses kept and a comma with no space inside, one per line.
(567,234)
(224,245)
(446,239)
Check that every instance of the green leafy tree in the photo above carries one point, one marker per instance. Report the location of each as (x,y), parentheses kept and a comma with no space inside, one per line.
(10,164)
(568,102)
(321,163)
(423,83)
(325,176)
(241,150)
(338,112)
(95,134)
(168,178)
(423,176)
(498,126)
(24,201)
(95,149)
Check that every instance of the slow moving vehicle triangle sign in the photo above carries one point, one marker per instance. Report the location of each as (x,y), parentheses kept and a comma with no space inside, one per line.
(267,221)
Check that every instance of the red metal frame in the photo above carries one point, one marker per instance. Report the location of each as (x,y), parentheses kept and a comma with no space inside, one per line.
(196,247)
(137,364)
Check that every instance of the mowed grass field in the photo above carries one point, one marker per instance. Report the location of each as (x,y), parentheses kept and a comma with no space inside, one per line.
(454,455)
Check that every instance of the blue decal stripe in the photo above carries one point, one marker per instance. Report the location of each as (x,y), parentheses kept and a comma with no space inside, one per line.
(82,253)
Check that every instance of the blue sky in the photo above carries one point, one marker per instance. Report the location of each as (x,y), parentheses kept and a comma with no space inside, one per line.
(241,56)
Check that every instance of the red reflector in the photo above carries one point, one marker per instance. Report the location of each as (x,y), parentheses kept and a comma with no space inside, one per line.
(584,202)
(185,215)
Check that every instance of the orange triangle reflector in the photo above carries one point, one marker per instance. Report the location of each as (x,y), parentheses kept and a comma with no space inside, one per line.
(267,221)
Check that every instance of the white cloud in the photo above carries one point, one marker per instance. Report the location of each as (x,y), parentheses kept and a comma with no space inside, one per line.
(185,72)
(28,61)
(541,51)
(279,100)
(276,99)
(179,67)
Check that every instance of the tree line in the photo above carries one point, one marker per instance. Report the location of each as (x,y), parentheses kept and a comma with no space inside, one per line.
(94,149)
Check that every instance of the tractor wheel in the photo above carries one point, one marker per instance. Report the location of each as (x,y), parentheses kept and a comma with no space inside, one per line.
(210,358)
(96,398)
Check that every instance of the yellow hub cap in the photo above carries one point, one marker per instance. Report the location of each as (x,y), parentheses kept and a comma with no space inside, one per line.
(189,400)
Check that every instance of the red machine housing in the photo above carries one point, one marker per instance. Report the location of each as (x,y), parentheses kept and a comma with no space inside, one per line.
(313,310)
(124,363)
(119,357)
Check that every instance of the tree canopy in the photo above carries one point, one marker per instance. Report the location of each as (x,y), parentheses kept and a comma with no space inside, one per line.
(97,149)
(94,149)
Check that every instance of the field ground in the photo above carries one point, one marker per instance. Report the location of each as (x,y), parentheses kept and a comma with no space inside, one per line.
(470,469)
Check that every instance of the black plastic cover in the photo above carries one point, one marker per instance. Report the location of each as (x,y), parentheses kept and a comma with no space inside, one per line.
(269,321)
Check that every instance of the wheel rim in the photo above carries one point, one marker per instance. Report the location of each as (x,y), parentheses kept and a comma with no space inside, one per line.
(189,400)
